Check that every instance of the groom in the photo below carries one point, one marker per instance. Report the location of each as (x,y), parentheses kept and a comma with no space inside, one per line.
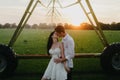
(68,49)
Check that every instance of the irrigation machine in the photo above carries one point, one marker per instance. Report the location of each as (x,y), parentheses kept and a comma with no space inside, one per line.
(109,58)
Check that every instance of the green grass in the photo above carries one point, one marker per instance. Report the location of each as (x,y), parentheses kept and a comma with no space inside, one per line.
(33,41)
(84,69)
(85,41)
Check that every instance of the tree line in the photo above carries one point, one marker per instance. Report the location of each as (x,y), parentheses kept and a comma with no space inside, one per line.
(82,26)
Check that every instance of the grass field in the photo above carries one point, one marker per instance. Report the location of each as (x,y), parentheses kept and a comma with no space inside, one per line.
(33,41)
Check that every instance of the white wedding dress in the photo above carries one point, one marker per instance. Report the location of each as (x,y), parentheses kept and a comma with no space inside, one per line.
(55,71)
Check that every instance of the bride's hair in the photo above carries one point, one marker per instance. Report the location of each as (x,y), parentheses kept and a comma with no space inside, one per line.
(50,41)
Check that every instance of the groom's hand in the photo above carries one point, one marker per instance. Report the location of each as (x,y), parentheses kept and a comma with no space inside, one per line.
(58,60)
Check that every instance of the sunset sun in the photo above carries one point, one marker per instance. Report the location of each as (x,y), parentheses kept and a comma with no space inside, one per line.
(77,21)
(75,15)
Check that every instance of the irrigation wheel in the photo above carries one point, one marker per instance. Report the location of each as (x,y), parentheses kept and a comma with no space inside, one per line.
(110,58)
(8,61)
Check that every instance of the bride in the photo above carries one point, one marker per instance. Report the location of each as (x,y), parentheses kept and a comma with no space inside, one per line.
(55,71)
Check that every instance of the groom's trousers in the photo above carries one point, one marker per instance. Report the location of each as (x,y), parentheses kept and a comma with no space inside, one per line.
(69,75)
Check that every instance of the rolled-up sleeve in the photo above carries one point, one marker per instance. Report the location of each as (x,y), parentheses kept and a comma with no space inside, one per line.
(70,49)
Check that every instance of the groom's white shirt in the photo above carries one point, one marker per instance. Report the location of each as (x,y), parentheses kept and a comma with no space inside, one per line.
(69,50)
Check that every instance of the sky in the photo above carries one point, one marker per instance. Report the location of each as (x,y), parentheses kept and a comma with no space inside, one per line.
(106,11)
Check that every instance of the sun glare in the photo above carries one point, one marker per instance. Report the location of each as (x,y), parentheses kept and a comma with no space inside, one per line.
(76,21)
(75,15)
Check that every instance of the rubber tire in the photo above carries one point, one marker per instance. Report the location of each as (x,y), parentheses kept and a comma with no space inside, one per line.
(106,58)
(10,61)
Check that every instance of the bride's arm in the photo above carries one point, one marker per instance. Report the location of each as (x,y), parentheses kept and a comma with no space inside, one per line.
(63,59)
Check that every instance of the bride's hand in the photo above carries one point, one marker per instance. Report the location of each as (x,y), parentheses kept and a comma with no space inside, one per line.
(57,60)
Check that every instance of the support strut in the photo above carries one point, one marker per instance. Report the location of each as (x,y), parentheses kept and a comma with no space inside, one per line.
(28,12)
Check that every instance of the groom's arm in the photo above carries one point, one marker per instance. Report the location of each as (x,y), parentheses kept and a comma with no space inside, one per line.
(62,57)
(70,53)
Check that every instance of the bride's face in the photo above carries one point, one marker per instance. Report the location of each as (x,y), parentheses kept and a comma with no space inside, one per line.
(55,37)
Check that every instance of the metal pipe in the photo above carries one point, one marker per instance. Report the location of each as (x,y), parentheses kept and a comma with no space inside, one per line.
(84,10)
(45,56)
(105,43)
(30,13)
(13,39)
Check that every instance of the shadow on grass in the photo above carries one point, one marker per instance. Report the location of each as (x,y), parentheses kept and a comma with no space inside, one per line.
(92,75)
(84,69)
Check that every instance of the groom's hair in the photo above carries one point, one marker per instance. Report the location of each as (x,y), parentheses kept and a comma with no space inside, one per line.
(60,29)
